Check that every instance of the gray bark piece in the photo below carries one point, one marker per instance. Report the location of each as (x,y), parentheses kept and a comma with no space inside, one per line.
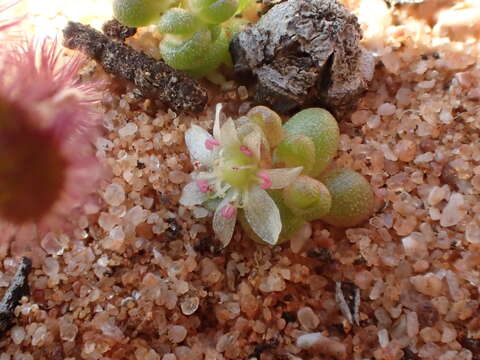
(304,52)
(17,289)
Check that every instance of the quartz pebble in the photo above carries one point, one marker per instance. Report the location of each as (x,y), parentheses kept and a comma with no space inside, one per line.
(128,130)
(189,305)
(454,212)
(428,284)
(386,109)
(114,194)
(17,334)
(383,338)
(322,344)
(307,318)
(176,333)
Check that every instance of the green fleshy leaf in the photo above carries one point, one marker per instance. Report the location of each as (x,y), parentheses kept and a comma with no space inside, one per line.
(185,53)
(352,198)
(295,150)
(216,54)
(138,13)
(178,21)
(307,198)
(214,11)
(320,126)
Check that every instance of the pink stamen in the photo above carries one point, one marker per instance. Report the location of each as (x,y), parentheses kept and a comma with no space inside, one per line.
(246,151)
(211,143)
(266,181)
(228,211)
(203,185)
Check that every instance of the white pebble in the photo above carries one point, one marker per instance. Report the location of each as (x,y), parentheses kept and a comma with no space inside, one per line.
(107,221)
(415,245)
(299,239)
(472,232)
(18,334)
(114,194)
(177,333)
(127,130)
(437,194)
(307,318)
(136,215)
(383,338)
(117,234)
(454,212)
(446,117)
(412,324)
(386,109)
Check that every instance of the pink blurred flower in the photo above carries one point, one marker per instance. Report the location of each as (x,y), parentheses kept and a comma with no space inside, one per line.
(47,126)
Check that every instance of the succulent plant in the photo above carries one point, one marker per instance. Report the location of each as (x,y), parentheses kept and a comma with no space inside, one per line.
(230,173)
(196,32)
(352,198)
(322,128)
(138,13)
(234,175)
(307,198)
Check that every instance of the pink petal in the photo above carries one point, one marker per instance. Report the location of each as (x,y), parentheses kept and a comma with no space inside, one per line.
(228,211)
(246,151)
(203,185)
(266,181)
(211,143)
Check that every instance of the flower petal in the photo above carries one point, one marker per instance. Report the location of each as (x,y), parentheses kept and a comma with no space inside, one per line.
(195,138)
(216,122)
(191,195)
(283,177)
(222,226)
(253,141)
(263,215)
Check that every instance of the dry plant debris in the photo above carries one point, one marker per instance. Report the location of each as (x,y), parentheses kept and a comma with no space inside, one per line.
(153,78)
(18,288)
(304,52)
(114,30)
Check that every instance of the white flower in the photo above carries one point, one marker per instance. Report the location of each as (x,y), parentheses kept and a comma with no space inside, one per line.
(234,176)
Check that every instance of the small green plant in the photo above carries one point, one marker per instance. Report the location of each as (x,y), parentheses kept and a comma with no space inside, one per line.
(273,195)
(196,33)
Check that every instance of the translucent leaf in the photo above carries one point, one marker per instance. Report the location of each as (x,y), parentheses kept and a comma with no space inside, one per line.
(191,195)
(222,226)
(228,134)
(195,138)
(253,141)
(283,177)
(263,215)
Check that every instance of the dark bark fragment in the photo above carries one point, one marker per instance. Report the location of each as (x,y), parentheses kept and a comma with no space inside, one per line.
(17,289)
(117,31)
(471,344)
(304,52)
(409,355)
(154,79)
